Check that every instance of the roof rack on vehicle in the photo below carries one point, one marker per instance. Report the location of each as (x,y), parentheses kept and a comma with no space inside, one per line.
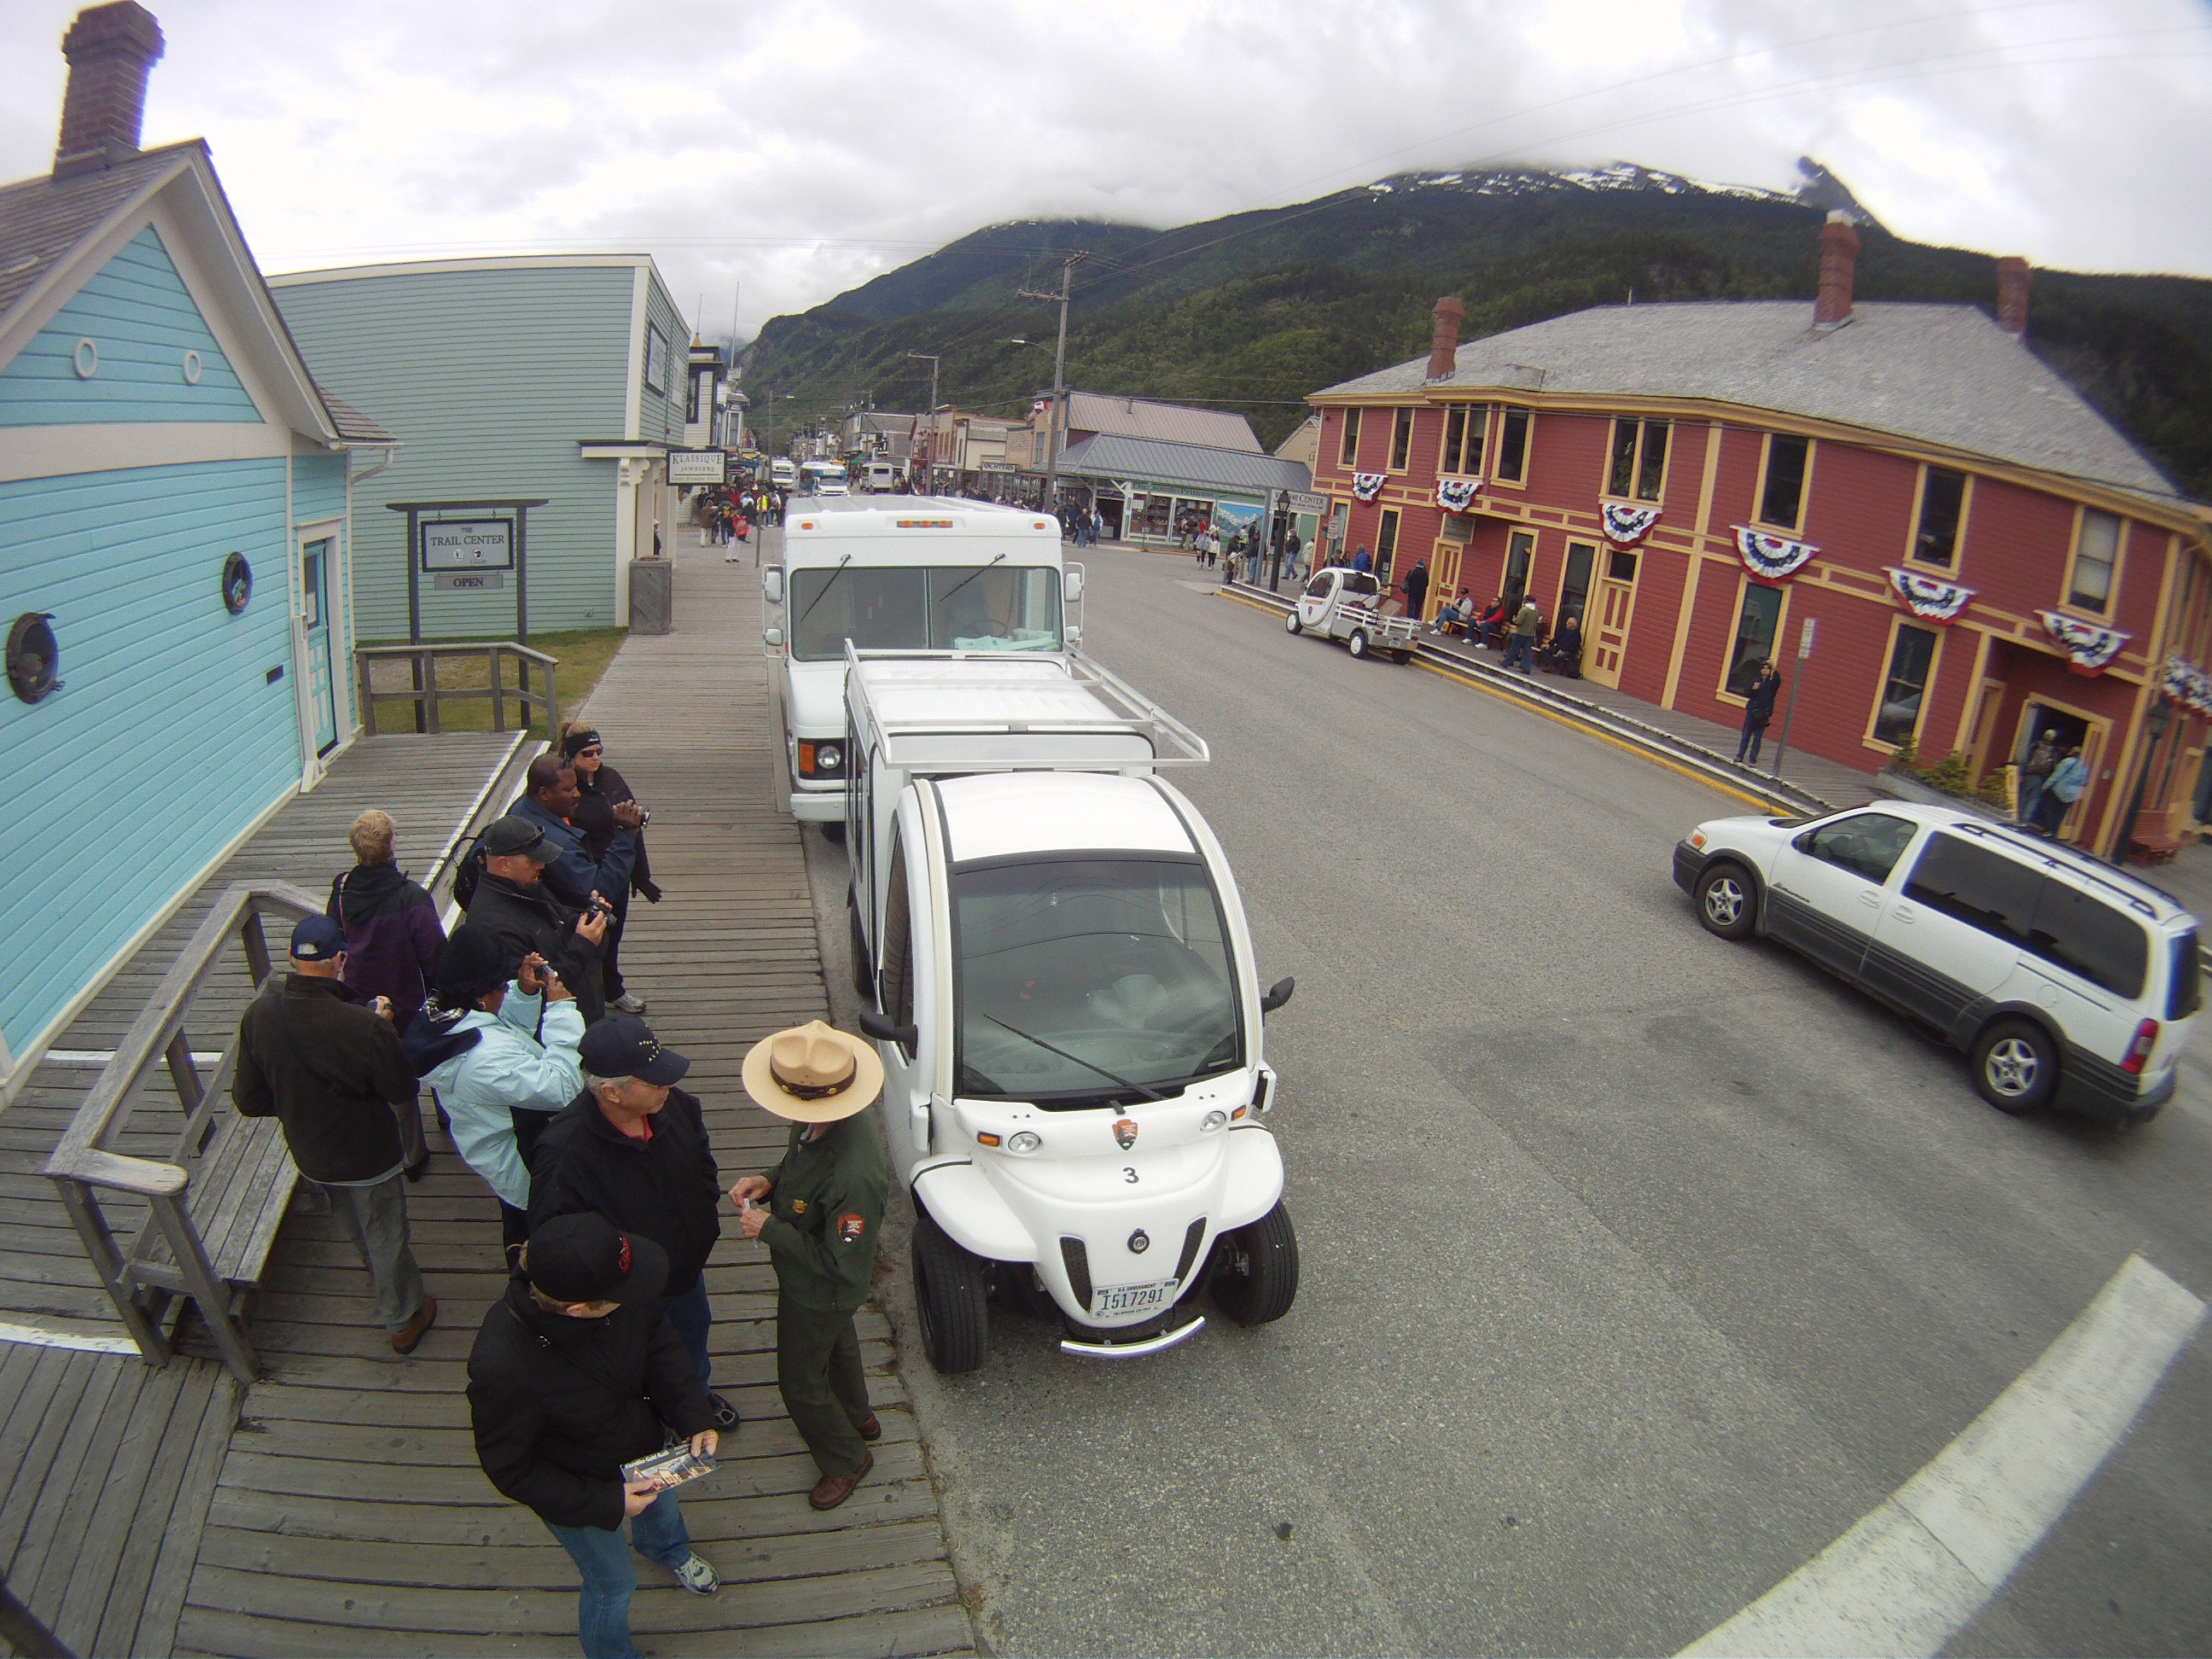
(1128,712)
(2080,863)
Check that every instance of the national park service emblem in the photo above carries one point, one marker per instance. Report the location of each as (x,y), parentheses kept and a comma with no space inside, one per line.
(1125,1131)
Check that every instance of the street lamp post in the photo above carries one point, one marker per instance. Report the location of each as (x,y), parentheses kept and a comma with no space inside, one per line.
(2154,725)
(1059,382)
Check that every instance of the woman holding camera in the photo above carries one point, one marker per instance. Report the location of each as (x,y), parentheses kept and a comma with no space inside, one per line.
(599,790)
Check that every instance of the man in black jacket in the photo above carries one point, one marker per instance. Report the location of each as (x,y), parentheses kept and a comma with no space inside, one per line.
(633,1148)
(511,904)
(310,1055)
(575,1373)
(550,794)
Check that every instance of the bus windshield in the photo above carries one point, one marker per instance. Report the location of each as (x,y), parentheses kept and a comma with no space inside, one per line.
(930,608)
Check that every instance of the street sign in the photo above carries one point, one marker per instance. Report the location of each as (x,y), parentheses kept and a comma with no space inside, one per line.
(468,544)
(697,466)
(468,582)
(1302,502)
(1805,639)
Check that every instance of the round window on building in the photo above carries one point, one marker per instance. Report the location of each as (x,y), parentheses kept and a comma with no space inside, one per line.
(33,657)
(237,583)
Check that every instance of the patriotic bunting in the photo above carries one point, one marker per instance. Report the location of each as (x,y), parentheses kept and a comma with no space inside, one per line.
(1624,526)
(1771,560)
(2188,685)
(1366,486)
(2090,649)
(1937,600)
(1454,494)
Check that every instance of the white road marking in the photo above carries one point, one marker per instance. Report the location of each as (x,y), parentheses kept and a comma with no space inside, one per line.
(1910,1575)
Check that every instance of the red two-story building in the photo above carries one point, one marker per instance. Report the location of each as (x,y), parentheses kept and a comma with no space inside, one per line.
(1972,552)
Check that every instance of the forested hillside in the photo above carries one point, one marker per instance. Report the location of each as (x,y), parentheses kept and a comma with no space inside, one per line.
(1253,312)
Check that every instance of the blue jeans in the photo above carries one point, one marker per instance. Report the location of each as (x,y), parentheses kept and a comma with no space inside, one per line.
(690,1316)
(611,1578)
(1522,647)
(1746,747)
(2030,797)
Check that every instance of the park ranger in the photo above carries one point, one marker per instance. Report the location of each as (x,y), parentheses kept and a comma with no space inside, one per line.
(823,1212)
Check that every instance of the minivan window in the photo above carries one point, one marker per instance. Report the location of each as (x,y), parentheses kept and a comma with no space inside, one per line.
(1866,843)
(2086,936)
(1980,888)
(934,608)
(2185,994)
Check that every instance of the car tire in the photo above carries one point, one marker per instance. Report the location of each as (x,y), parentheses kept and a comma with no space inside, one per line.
(1401,658)
(1728,902)
(952,1293)
(834,831)
(1291,624)
(1358,643)
(2016,1067)
(864,978)
(1258,1278)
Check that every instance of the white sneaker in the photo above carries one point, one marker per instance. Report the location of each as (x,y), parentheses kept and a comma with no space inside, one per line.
(698,1577)
(629,1004)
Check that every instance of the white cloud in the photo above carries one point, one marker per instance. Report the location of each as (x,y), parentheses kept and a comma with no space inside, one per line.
(802,148)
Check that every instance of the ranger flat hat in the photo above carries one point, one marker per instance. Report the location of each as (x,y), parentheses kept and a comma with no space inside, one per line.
(511,836)
(813,1073)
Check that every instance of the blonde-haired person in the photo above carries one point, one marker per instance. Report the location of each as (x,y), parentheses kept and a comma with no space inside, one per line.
(393,939)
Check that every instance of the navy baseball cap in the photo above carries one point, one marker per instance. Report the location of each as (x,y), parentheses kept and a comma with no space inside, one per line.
(622,1045)
(317,938)
(586,1258)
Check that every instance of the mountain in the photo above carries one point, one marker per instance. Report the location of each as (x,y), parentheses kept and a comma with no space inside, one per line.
(1252,310)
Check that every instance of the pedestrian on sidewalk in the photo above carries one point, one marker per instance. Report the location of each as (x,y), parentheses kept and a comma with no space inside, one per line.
(1363,561)
(1758,710)
(501,1054)
(2035,775)
(578,879)
(1417,589)
(1528,622)
(823,1217)
(1563,654)
(510,900)
(633,1148)
(599,790)
(2068,780)
(1291,548)
(393,939)
(329,1067)
(575,1373)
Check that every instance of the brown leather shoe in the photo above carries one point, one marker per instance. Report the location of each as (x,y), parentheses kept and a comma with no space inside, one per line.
(872,1430)
(408,1337)
(832,1489)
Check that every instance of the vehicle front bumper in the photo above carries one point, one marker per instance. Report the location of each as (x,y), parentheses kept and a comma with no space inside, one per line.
(1689,863)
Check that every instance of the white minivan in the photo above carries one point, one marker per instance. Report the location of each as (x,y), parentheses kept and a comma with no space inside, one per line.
(921,573)
(2066,979)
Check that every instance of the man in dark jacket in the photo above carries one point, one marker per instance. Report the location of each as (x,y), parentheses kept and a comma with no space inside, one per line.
(1758,710)
(393,940)
(550,792)
(575,1373)
(511,904)
(330,1070)
(633,1148)
(1417,588)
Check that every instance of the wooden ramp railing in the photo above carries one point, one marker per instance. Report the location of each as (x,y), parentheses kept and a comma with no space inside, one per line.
(213,1208)
(426,693)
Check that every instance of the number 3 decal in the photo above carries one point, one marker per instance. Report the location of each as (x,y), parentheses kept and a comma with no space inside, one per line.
(1129,1175)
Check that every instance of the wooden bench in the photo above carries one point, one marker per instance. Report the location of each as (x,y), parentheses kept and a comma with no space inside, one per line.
(213,1209)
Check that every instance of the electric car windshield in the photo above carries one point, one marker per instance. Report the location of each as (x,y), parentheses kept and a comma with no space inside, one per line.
(1087,982)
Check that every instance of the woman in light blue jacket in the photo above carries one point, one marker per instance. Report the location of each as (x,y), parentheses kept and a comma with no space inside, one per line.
(502,1058)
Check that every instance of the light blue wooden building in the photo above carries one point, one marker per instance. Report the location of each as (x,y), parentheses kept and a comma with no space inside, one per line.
(560,378)
(174,495)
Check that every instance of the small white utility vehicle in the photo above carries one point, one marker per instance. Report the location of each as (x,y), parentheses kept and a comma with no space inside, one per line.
(783,472)
(1347,605)
(919,573)
(2064,980)
(1067,1005)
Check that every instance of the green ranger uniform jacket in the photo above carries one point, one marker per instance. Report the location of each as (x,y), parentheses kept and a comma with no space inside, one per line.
(826,1213)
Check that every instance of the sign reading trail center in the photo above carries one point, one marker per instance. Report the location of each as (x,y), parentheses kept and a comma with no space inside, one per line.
(697,466)
(468,544)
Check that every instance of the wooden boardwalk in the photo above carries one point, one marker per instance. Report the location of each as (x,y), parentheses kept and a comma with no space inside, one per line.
(350,1515)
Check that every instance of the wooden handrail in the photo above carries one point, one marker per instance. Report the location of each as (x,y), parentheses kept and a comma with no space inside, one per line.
(426,693)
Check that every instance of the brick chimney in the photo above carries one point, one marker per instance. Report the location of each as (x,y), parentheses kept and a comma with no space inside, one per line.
(109,48)
(1443,343)
(2013,278)
(1840,258)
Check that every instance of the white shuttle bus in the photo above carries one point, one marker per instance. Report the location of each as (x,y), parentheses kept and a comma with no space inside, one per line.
(823,478)
(923,573)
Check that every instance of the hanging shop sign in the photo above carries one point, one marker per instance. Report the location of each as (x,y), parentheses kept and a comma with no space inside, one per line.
(1928,597)
(1299,502)
(2188,685)
(1455,495)
(2090,648)
(1771,560)
(1624,526)
(468,544)
(1366,486)
(698,466)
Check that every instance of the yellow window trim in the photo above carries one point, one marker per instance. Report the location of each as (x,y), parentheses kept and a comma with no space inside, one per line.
(1904,619)
(1636,463)
(1492,456)
(1804,492)
(2066,602)
(1721,692)
(1950,572)
(1413,414)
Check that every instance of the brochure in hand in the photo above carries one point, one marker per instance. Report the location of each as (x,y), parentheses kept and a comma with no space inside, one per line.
(671,1467)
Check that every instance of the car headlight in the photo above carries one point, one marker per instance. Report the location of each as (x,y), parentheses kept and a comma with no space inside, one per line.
(1023,1141)
(828,756)
(1215,1120)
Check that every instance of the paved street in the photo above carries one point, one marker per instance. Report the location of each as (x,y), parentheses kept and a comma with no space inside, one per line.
(1637,1266)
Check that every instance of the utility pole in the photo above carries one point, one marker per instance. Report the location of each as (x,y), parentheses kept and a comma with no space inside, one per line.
(932,359)
(1059,382)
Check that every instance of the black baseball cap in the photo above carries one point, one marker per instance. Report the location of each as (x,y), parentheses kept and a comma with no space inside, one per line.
(472,963)
(511,836)
(622,1045)
(586,1258)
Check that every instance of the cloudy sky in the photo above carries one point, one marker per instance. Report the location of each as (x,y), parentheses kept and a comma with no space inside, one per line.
(798,149)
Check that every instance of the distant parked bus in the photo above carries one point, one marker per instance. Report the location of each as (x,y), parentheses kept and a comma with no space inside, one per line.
(823,478)
(883,474)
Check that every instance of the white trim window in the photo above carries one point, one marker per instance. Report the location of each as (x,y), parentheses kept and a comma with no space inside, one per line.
(656,361)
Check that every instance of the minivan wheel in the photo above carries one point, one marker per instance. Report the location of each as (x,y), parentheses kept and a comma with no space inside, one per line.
(1358,643)
(1727,904)
(951,1288)
(2016,1067)
(1258,1278)
(1291,624)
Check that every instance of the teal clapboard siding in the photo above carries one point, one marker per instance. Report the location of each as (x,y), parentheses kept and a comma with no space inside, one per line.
(318,493)
(142,320)
(165,739)
(488,378)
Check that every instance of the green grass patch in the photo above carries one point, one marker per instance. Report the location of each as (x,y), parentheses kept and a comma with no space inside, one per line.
(581,656)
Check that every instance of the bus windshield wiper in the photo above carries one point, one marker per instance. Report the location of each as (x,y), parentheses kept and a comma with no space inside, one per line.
(824,593)
(1127,1083)
(949,592)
